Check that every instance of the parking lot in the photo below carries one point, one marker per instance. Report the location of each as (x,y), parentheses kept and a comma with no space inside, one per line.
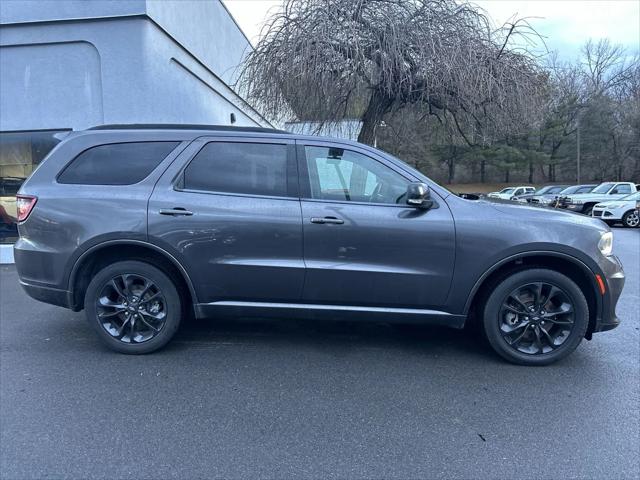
(332,400)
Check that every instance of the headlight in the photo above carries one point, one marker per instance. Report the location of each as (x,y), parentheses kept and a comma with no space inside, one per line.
(611,205)
(605,245)
(577,202)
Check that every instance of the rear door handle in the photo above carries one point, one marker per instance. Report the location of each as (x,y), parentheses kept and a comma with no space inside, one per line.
(176,211)
(322,220)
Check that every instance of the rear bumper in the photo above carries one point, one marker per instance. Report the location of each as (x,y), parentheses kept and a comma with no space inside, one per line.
(54,296)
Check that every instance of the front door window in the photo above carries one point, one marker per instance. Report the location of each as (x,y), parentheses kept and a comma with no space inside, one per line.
(336,174)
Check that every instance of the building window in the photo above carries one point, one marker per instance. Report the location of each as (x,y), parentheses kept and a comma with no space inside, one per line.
(20,153)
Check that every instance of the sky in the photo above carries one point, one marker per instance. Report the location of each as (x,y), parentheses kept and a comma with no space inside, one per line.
(565,24)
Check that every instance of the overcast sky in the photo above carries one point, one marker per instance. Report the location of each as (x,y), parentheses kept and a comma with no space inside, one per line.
(565,24)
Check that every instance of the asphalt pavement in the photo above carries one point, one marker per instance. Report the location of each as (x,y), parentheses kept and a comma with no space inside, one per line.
(283,399)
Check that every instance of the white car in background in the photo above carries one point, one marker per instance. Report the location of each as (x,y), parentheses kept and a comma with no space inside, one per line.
(511,192)
(625,210)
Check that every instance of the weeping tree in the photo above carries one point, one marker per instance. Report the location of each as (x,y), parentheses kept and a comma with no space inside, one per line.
(328,60)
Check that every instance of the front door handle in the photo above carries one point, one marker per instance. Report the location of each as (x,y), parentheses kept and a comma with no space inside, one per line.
(176,211)
(322,220)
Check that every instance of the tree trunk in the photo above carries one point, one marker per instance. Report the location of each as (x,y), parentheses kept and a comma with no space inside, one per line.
(482,171)
(379,105)
(506,176)
(452,169)
(530,172)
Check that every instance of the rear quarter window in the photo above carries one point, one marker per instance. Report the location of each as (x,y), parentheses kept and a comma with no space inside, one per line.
(116,163)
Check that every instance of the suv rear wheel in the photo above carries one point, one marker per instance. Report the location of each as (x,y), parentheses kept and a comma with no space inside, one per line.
(535,317)
(134,307)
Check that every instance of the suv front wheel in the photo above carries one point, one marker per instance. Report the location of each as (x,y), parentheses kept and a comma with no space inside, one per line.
(134,307)
(535,317)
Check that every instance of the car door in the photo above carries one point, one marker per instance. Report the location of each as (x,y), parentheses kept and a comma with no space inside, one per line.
(229,210)
(363,245)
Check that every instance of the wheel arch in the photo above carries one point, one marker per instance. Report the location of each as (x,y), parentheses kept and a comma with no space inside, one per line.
(107,252)
(566,264)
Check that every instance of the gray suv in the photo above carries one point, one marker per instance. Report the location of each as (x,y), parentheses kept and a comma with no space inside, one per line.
(144,225)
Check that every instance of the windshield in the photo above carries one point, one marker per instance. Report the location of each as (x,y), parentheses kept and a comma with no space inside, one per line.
(507,190)
(543,190)
(573,189)
(633,196)
(555,189)
(603,188)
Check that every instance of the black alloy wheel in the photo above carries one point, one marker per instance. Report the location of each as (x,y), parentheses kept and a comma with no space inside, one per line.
(134,307)
(131,308)
(535,316)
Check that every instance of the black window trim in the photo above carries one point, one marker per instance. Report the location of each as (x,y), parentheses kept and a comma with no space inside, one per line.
(304,182)
(292,168)
(171,153)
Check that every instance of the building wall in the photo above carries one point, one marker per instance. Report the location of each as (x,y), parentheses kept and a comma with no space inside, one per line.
(73,64)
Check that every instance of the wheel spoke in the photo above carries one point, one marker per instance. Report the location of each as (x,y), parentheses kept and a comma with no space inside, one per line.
(121,329)
(516,341)
(147,323)
(147,286)
(513,297)
(549,338)
(537,294)
(117,288)
(560,322)
(105,302)
(536,331)
(564,309)
(111,314)
(132,330)
(155,295)
(516,327)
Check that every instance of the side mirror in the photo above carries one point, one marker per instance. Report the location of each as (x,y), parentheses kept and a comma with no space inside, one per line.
(418,195)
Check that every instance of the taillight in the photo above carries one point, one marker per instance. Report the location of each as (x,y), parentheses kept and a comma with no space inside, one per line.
(25,204)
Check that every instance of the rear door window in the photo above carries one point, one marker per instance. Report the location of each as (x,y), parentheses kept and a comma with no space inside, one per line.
(116,163)
(241,168)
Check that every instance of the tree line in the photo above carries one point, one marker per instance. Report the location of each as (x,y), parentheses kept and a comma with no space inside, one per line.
(436,84)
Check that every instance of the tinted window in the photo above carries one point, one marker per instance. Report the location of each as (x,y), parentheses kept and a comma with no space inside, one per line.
(338,174)
(116,164)
(250,168)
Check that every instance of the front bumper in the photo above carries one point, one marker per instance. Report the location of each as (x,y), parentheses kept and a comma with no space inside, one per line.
(614,283)
(574,207)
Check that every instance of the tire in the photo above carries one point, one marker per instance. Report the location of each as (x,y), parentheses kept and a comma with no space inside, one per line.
(587,209)
(564,330)
(134,307)
(631,219)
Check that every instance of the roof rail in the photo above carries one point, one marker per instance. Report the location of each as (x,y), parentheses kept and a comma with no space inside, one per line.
(185,126)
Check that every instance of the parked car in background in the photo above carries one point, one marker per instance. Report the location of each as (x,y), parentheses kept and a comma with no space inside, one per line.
(543,196)
(576,189)
(510,193)
(584,202)
(624,210)
(139,226)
